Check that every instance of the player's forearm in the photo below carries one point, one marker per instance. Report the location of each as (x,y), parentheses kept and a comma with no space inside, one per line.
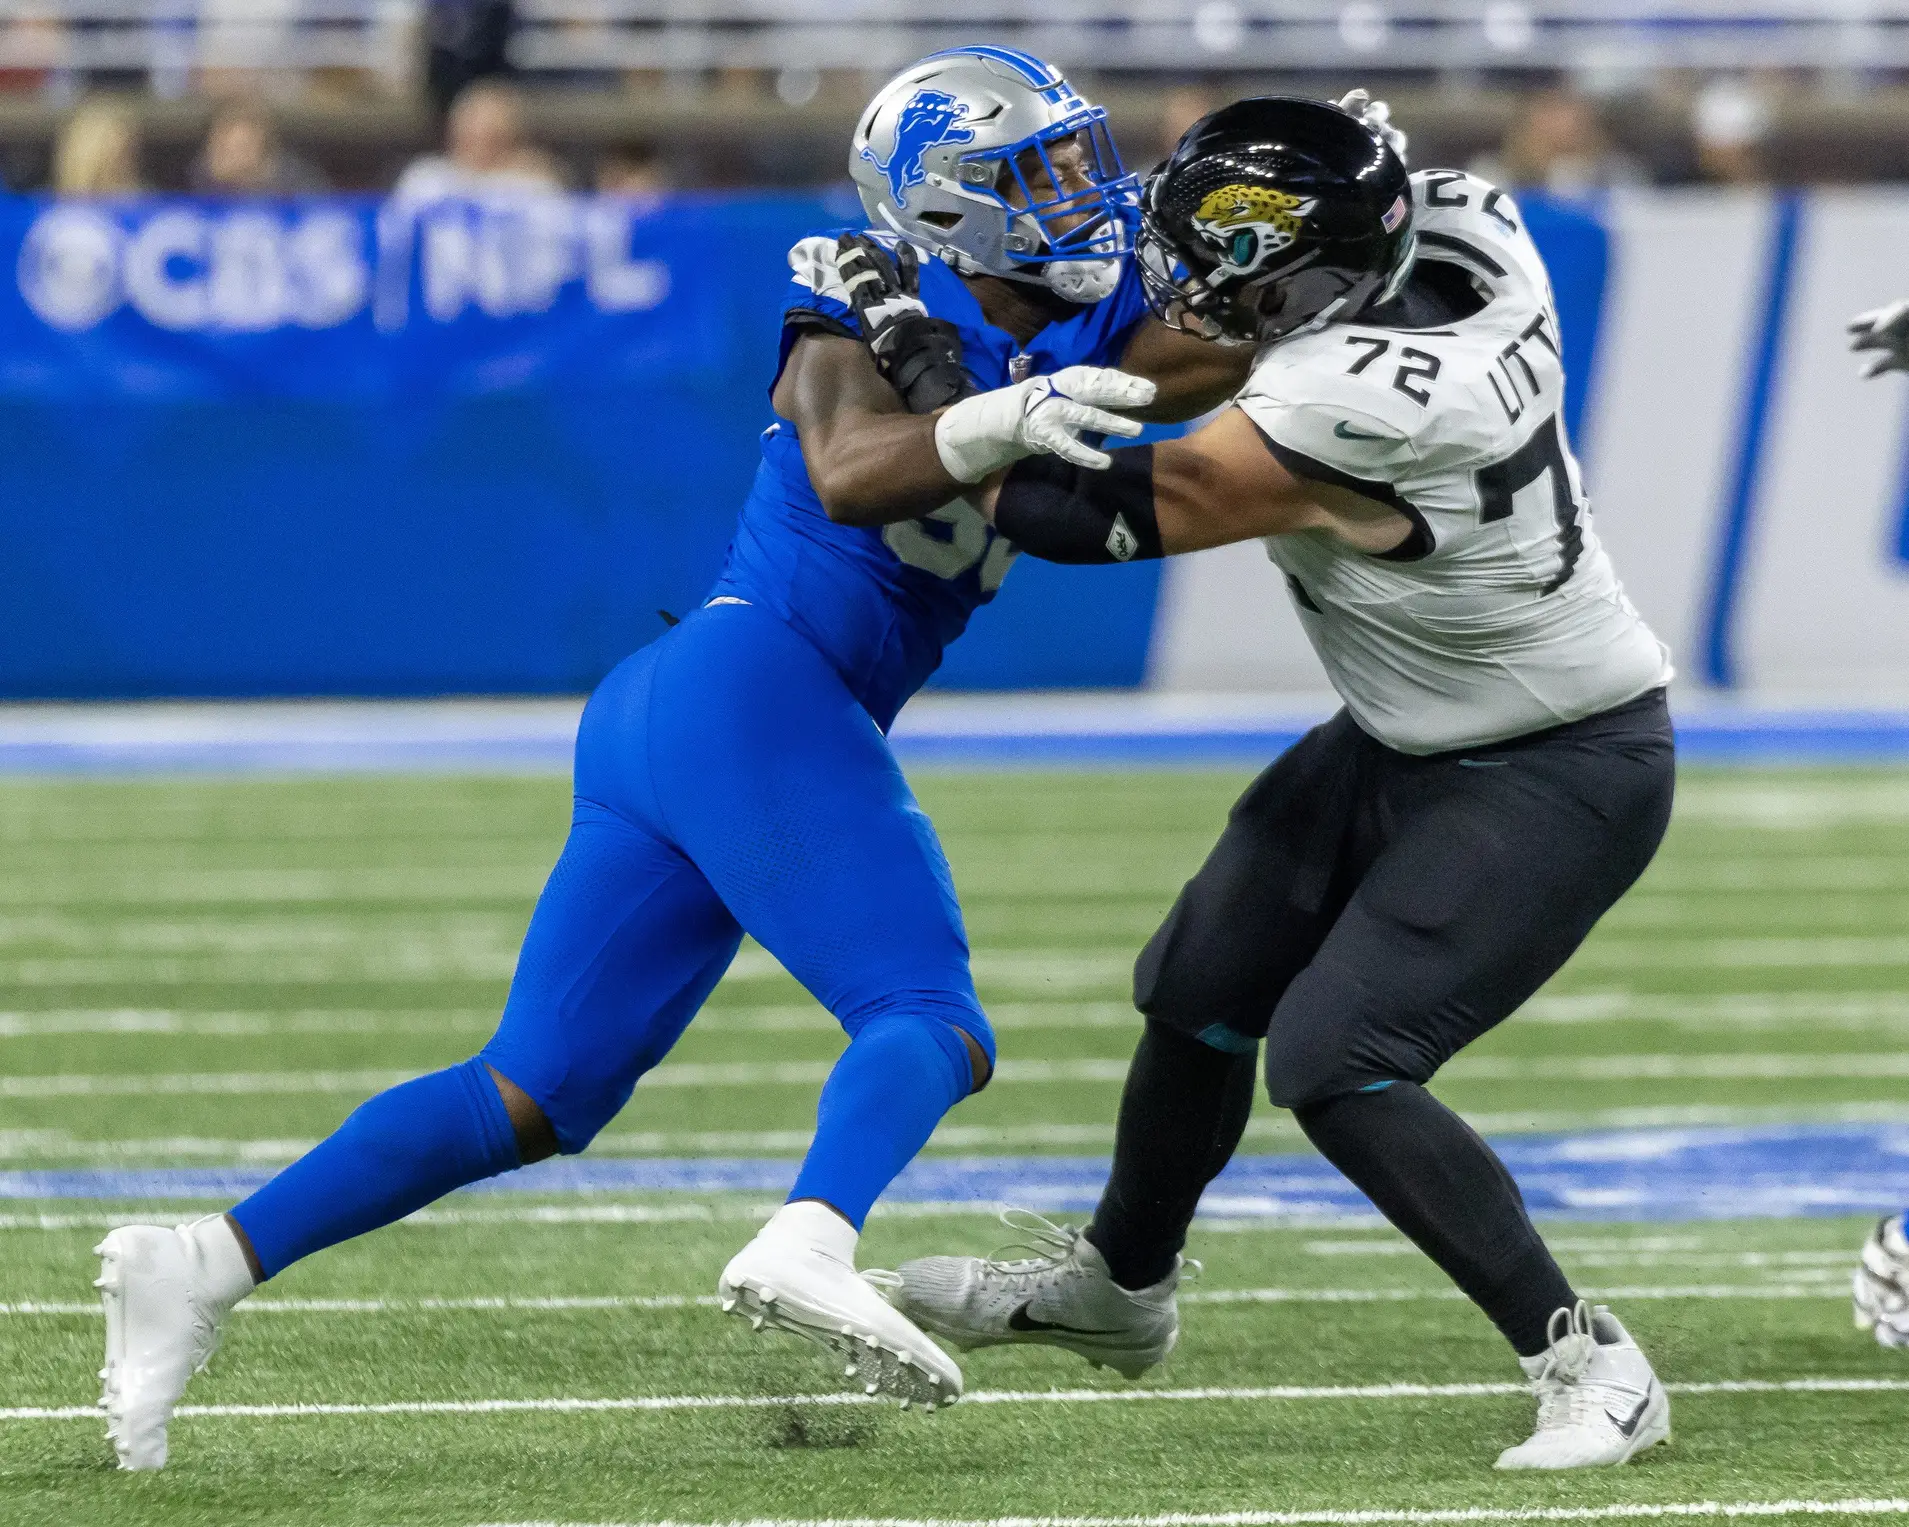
(878,469)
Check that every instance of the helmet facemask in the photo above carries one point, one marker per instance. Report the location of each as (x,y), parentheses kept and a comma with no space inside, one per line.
(987,158)
(1073,206)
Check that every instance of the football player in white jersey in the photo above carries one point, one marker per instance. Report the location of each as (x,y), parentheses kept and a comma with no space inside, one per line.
(1410,872)
(1882,1274)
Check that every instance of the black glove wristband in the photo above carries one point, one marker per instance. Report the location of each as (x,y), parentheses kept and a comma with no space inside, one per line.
(921,359)
(1059,512)
(919,356)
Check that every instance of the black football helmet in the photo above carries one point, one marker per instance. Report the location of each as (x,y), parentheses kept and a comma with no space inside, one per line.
(1273,215)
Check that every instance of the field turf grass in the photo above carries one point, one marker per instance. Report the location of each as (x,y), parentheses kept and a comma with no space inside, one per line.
(215,972)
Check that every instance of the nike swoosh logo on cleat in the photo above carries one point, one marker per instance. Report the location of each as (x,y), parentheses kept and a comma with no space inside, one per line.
(1627,1426)
(1020,1320)
(1346,432)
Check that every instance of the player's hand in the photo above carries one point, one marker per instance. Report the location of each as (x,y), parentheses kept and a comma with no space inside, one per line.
(1885,329)
(918,354)
(1377,116)
(1045,415)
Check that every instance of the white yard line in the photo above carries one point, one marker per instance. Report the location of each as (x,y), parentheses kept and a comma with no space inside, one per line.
(1726,1011)
(1615,1252)
(1296,1392)
(1410,1517)
(244,1023)
(1484,1068)
(1722,1010)
(60,1146)
(408,885)
(1631,1068)
(171,955)
(1804,804)
(161,1211)
(1685,1115)
(559,1304)
(1837,951)
(674,1074)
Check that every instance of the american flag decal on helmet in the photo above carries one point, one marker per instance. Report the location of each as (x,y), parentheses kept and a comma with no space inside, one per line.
(1394,215)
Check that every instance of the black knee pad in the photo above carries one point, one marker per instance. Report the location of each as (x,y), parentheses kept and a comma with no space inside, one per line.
(1299,1072)
(1180,994)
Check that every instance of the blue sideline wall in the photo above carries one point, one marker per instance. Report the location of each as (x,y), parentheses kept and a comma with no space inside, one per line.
(345,448)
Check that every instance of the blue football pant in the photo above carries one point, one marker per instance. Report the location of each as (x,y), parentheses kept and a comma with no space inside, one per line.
(726,779)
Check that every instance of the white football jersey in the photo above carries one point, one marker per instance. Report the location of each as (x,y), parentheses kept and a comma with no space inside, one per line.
(1500,614)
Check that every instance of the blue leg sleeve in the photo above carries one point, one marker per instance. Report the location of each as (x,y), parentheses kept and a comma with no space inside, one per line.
(879,1106)
(396,1153)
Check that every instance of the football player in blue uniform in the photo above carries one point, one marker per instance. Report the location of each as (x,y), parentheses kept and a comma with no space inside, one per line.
(735,776)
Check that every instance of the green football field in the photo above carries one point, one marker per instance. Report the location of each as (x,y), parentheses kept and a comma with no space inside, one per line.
(212,973)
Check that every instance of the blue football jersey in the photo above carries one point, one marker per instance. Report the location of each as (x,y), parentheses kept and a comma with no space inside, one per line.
(882,602)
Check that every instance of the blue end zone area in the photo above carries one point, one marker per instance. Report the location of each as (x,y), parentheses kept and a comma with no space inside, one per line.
(1686,1174)
(1135,729)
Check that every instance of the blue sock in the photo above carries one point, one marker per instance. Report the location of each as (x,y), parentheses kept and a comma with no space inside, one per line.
(396,1153)
(882,1101)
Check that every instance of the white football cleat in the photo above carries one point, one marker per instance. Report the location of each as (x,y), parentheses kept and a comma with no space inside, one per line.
(1598,1400)
(798,1275)
(1882,1284)
(1060,1296)
(165,1293)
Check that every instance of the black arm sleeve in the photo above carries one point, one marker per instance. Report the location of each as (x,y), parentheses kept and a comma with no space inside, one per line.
(1059,512)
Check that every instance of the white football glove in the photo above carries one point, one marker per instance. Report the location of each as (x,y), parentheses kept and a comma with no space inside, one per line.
(1045,415)
(1377,116)
(1885,329)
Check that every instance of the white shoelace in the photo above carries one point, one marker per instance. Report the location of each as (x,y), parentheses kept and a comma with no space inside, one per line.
(1562,1399)
(1049,1250)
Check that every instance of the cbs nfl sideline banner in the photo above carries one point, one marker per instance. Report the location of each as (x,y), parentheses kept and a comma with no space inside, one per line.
(343,446)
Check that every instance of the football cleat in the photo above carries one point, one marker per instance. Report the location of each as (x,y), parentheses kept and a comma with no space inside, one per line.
(798,1275)
(165,1293)
(1882,1284)
(1060,1295)
(1598,1400)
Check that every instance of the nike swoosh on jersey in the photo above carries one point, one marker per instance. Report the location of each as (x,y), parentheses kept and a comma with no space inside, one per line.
(1627,1425)
(1346,432)
(1020,1320)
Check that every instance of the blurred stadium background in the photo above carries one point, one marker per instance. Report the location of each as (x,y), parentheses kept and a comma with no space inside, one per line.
(314,383)
(388,365)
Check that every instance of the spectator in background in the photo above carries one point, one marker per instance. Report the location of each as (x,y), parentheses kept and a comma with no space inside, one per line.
(465,40)
(485,151)
(1557,143)
(98,153)
(634,170)
(41,42)
(244,157)
(1730,122)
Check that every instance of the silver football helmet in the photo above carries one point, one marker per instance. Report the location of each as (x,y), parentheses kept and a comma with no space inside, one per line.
(941,158)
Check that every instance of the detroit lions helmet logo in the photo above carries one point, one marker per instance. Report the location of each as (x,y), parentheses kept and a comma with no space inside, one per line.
(929,119)
(1247,224)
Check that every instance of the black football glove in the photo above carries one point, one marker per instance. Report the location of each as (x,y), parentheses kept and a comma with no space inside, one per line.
(920,356)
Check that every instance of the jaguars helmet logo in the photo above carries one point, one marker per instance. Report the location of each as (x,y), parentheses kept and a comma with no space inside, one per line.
(1249,224)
